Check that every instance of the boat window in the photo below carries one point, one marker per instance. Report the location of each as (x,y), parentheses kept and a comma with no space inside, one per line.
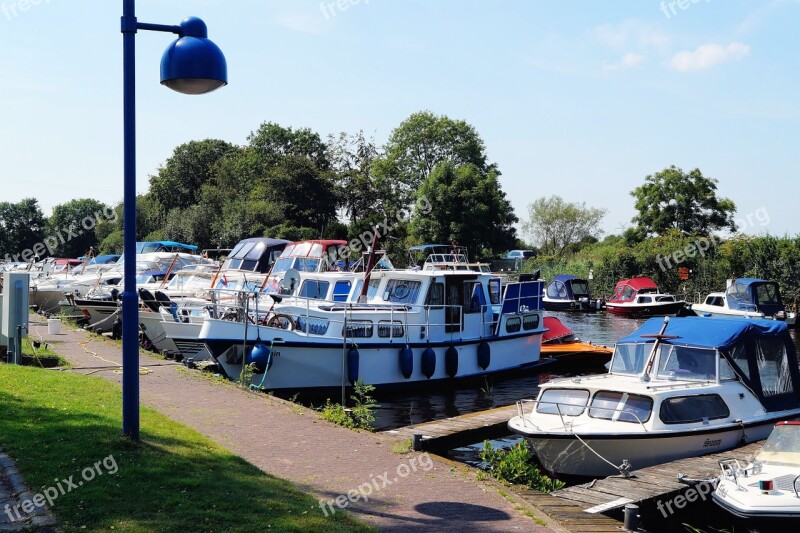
(630,358)
(360,329)
(301,249)
(682,362)
(282,265)
(580,287)
(692,409)
(622,407)
(767,293)
(307,264)
(530,322)
(644,299)
(773,366)
(372,290)
(666,298)
(288,250)
(513,324)
(726,372)
(570,402)
(341,290)
(392,330)
(624,293)
(474,299)
(315,289)
(312,325)
(716,301)
(739,357)
(402,291)
(494,291)
(435,295)
(556,290)
(782,446)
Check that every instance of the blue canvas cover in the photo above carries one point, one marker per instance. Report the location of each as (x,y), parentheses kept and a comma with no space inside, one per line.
(560,288)
(703,332)
(753,294)
(158,246)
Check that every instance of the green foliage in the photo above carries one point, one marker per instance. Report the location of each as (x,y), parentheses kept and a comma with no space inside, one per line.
(515,466)
(360,416)
(467,207)
(22,226)
(672,199)
(557,226)
(75,222)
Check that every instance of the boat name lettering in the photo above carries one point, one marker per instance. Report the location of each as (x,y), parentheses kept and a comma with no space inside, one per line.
(711,443)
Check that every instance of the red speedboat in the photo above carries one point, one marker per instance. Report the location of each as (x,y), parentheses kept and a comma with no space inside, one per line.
(640,297)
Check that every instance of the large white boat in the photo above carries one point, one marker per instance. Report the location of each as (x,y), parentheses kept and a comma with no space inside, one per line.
(746,298)
(406,327)
(676,388)
(766,492)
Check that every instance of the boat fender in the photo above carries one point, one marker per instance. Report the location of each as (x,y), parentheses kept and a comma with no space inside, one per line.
(406,361)
(260,357)
(352,365)
(428,362)
(451,361)
(484,355)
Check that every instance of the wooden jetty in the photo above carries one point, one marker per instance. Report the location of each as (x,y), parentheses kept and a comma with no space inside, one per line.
(440,436)
(579,508)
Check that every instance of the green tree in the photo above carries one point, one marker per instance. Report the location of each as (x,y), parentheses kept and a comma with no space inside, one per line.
(75,222)
(463,205)
(556,226)
(22,226)
(273,142)
(191,165)
(353,158)
(417,146)
(673,199)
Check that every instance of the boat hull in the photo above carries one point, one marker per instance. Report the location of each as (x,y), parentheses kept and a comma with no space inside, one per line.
(570,305)
(564,453)
(300,364)
(648,310)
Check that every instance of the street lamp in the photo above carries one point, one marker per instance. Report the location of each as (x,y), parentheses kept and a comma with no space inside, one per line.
(190,65)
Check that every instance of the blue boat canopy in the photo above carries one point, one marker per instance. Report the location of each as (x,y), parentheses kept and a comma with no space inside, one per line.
(753,294)
(163,246)
(256,254)
(568,288)
(702,332)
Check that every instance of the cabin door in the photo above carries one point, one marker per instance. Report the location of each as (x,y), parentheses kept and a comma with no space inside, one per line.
(454,302)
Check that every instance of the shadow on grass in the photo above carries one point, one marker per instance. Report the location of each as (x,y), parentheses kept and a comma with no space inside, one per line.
(56,425)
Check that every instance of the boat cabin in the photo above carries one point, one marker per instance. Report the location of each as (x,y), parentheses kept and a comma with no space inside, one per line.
(752,294)
(147,247)
(309,256)
(256,254)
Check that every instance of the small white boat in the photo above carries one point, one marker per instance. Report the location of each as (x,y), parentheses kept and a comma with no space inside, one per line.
(768,489)
(746,298)
(641,297)
(676,388)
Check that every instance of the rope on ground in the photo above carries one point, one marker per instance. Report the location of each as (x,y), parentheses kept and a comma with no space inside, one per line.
(143,370)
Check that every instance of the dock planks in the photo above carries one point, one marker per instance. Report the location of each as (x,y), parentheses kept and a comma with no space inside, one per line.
(569,506)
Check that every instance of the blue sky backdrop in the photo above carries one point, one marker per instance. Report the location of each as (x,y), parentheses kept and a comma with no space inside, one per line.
(577,98)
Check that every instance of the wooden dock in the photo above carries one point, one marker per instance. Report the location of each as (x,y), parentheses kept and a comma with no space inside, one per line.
(658,481)
(579,508)
(440,436)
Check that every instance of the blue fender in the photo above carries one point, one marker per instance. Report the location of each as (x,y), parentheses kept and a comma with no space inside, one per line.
(428,362)
(484,355)
(406,361)
(451,361)
(260,356)
(352,365)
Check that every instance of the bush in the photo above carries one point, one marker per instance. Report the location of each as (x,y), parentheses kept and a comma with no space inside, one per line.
(360,416)
(515,466)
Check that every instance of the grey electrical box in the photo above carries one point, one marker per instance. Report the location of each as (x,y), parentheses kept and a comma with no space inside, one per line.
(14,312)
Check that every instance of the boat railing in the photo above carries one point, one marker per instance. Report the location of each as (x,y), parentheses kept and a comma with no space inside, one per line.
(567,424)
(236,304)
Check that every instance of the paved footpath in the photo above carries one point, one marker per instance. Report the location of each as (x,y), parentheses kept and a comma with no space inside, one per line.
(293,443)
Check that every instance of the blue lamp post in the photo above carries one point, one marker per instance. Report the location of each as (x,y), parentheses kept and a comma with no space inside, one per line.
(190,65)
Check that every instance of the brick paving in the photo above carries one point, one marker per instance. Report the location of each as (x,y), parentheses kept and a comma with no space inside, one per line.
(293,443)
(18,509)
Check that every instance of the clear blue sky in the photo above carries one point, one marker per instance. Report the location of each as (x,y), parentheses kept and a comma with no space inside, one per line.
(577,98)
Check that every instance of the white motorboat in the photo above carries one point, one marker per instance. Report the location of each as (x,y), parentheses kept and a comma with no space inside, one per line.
(767,491)
(641,297)
(676,388)
(746,298)
(406,327)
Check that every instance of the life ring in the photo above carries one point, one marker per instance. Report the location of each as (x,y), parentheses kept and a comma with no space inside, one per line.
(281,321)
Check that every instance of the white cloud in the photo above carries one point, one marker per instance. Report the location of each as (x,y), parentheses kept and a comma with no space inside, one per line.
(707,56)
(629,60)
(632,32)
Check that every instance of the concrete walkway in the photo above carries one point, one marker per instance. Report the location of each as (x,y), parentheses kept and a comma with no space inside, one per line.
(20,509)
(408,492)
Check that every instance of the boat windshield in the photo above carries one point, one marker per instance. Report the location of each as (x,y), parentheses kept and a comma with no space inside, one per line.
(683,362)
(782,447)
(630,358)
(580,288)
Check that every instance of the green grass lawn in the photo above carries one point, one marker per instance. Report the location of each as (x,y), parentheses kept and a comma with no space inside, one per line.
(55,424)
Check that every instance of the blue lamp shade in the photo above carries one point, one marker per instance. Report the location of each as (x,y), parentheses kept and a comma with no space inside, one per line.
(193,64)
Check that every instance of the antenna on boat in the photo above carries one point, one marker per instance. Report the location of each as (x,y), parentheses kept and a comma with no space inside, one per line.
(362,298)
(652,357)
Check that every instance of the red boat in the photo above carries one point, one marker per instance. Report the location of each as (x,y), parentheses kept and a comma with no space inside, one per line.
(640,297)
